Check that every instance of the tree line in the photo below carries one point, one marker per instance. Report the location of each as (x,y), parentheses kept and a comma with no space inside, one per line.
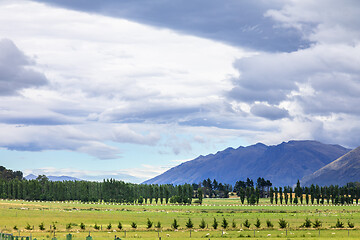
(316,194)
(14,186)
(109,190)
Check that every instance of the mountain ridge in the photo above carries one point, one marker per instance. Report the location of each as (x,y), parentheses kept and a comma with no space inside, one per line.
(283,164)
(339,172)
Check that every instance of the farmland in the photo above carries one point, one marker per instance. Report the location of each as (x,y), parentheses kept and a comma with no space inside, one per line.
(67,217)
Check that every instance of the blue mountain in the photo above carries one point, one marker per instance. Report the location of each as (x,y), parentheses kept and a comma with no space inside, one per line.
(54,178)
(282,164)
(343,170)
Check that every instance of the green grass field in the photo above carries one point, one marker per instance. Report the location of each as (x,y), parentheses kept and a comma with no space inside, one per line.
(22,213)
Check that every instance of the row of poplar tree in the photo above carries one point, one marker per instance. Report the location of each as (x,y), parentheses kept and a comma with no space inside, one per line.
(14,186)
(109,191)
(316,194)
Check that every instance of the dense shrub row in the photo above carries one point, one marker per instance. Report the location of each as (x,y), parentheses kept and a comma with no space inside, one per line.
(224,224)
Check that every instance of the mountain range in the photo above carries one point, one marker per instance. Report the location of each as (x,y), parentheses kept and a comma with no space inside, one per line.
(282,164)
(53,178)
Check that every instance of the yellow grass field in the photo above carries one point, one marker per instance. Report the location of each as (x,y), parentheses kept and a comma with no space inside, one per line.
(17,215)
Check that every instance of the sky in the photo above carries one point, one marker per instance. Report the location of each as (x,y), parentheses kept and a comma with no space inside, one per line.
(127,89)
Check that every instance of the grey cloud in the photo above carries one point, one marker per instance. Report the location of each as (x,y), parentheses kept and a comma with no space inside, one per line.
(329,71)
(242,122)
(102,152)
(214,114)
(349,136)
(269,112)
(213,121)
(90,138)
(240,23)
(160,111)
(142,112)
(14,72)
(326,104)
(243,94)
(324,21)
(273,77)
(34,111)
(35,118)
(52,141)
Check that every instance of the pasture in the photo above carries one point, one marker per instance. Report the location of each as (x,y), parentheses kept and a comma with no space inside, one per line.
(23,214)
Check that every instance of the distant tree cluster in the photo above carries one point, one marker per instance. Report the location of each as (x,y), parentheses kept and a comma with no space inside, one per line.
(315,194)
(247,191)
(213,189)
(7,174)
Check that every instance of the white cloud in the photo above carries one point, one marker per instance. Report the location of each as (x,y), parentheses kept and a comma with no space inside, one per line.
(115,57)
(109,71)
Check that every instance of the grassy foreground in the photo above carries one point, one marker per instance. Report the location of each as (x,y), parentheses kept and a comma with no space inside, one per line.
(22,214)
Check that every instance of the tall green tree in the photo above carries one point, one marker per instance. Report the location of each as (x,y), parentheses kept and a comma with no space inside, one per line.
(276,195)
(286,195)
(271,195)
(200,195)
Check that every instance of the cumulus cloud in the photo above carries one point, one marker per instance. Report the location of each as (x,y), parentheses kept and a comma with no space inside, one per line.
(318,86)
(15,73)
(274,77)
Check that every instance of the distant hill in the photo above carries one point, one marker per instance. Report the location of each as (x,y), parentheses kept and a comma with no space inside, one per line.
(339,172)
(54,178)
(282,164)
